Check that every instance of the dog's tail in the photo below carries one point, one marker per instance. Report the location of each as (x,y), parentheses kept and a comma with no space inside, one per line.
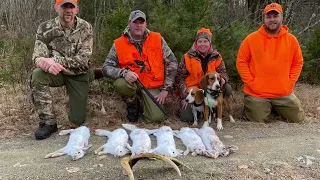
(129,127)
(102,132)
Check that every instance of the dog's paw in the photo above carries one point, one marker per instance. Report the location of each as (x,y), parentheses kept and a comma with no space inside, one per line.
(195,124)
(231,119)
(219,125)
(206,124)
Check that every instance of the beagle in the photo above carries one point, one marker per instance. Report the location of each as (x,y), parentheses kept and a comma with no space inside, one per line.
(213,99)
(195,98)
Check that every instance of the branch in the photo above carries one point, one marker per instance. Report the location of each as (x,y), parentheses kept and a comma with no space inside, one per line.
(310,26)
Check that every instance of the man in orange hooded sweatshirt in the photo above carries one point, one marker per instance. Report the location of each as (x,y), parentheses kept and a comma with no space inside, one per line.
(269,62)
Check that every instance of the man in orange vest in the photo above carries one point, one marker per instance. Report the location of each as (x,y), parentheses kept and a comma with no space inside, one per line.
(269,63)
(144,55)
(203,59)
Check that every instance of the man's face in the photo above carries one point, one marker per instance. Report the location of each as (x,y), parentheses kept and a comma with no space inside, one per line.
(137,27)
(272,21)
(67,12)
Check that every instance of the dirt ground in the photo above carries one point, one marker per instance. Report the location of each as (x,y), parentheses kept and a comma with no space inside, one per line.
(275,150)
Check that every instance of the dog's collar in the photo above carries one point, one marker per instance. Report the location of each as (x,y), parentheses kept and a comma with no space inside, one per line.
(214,94)
(197,105)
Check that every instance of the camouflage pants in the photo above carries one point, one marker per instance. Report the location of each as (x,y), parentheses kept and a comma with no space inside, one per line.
(187,115)
(258,109)
(77,90)
(151,111)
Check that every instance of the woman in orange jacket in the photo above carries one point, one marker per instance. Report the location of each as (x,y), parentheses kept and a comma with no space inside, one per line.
(198,61)
(269,62)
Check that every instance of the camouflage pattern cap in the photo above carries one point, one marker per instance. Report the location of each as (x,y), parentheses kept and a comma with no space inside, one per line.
(134,15)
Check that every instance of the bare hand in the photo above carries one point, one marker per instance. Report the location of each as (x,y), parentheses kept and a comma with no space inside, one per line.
(161,97)
(45,64)
(131,77)
(55,68)
(184,104)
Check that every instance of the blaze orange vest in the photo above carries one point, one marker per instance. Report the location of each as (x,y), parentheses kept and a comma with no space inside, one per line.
(195,70)
(153,74)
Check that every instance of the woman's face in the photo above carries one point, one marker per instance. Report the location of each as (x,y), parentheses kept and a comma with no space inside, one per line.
(203,45)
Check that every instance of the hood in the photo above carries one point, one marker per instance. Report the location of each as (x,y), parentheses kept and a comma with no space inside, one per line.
(283,31)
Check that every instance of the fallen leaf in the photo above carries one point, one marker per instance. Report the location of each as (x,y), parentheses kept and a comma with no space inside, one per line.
(72,169)
(243,166)
(19,165)
(228,137)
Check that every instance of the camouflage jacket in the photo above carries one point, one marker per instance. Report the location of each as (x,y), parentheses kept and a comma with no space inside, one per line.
(111,66)
(183,72)
(71,48)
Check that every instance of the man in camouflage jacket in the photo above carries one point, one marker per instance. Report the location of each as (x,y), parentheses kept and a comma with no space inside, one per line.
(136,38)
(62,51)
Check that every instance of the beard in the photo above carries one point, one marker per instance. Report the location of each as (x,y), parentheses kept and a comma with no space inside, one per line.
(272,28)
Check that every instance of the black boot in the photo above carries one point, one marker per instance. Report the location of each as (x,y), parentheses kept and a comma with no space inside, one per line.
(44,131)
(133,108)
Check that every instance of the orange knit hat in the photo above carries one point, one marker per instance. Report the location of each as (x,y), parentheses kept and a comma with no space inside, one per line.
(273,7)
(204,33)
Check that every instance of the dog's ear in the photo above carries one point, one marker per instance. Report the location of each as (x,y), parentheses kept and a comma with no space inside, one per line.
(199,96)
(204,82)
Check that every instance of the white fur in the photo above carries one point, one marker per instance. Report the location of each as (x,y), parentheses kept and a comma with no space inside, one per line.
(141,142)
(116,144)
(213,143)
(77,145)
(192,141)
(165,142)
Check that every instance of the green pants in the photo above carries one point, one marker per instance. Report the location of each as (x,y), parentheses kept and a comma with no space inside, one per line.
(187,115)
(77,89)
(151,111)
(258,109)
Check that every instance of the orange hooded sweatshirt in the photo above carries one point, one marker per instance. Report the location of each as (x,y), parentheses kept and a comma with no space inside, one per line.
(268,65)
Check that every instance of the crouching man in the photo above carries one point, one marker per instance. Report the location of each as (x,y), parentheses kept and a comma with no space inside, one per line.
(144,55)
(62,50)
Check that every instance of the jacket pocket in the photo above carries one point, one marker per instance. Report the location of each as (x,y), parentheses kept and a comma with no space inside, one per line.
(270,86)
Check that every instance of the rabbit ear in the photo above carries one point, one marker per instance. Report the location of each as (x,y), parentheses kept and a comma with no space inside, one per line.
(98,150)
(233,148)
(210,155)
(86,148)
(149,131)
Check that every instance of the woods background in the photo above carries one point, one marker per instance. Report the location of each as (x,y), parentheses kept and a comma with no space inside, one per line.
(177,21)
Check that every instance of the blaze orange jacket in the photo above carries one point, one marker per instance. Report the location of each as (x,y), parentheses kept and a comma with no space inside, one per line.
(194,68)
(268,65)
(153,74)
